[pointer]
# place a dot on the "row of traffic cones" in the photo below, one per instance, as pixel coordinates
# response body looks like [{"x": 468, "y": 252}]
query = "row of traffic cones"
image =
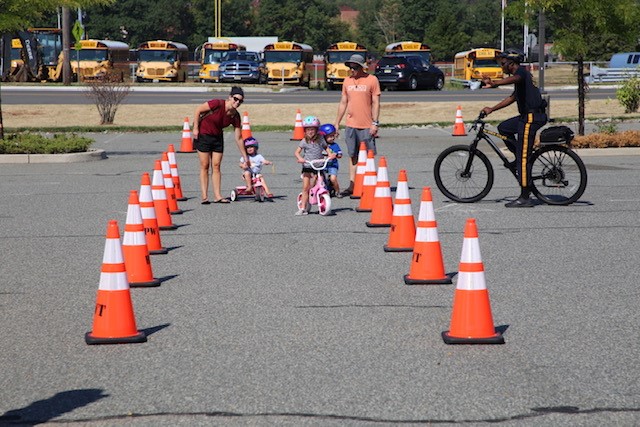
[
  {"x": 127, "y": 264},
  {"x": 471, "y": 321}
]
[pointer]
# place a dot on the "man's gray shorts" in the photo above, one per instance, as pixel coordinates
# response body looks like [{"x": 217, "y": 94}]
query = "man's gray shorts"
[{"x": 353, "y": 137}]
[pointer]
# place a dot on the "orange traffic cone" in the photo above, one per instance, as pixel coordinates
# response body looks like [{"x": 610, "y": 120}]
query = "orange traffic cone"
[
  {"x": 186, "y": 146},
  {"x": 471, "y": 320},
  {"x": 427, "y": 266},
  {"x": 113, "y": 319},
  {"x": 149, "y": 220},
  {"x": 382, "y": 208},
  {"x": 402, "y": 234},
  {"x": 458, "y": 126},
  {"x": 246, "y": 127},
  {"x": 134, "y": 247},
  {"x": 175, "y": 177},
  {"x": 168, "y": 185},
  {"x": 361, "y": 168},
  {"x": 368, "y": 184},
  {"x": 298, "y": 130},
  {"x": 165, "y": 222}
]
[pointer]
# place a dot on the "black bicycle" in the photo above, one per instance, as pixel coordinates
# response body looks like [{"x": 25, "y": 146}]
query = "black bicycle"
[{"x": 464, "y": 174}]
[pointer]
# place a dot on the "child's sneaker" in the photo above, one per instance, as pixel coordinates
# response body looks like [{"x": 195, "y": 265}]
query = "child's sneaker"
[{"x": 301, "y": 212}]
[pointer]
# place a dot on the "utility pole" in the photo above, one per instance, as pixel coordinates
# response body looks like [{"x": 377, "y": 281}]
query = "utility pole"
[
  {"x": 217, "y": 16},
  {"x": 541, "y": 42},
  {"x": 66, "y": 43}
]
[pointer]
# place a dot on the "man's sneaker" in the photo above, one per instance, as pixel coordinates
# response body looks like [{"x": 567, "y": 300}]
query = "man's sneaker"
[
  {"x": 520, "y": 202},
  {"x": 301, "y": 212}
]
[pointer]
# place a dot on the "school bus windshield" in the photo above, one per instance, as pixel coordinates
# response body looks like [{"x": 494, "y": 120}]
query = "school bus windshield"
[
  {"x": 282, "y": 56},
  {"x": 486, "y": 63},
  {"x": 212, "y": 56},
  {"x": 341, "y": 56},
  {"x": 91, "y": 55},
  {"x": 156, "y": 55}
]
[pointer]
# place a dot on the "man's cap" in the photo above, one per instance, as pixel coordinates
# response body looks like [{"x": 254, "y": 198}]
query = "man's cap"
[{"x": 356, "y": 59}]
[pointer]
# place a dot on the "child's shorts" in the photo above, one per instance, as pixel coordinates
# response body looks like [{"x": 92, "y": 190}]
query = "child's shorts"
[{"x": 332, "y": 171}]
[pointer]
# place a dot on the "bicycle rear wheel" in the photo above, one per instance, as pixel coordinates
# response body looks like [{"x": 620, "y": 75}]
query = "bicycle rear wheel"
[
  {"x": 558, "y": 175},
  {"x": 463, "y": 175}
]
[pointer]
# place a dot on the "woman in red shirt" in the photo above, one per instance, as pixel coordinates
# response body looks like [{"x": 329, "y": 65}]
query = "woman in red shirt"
[{"x": 210, "y": 120}]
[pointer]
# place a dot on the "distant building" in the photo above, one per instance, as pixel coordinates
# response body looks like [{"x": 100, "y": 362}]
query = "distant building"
[{"x": 349, "y": 15}]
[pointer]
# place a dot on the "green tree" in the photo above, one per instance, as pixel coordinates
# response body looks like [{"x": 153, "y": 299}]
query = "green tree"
[
  {"x": 18, "y": 15},
  {"x": 313, "y": 22},
  {"x": 136, "y": 21},
  {"x": 580, "y": 26}
]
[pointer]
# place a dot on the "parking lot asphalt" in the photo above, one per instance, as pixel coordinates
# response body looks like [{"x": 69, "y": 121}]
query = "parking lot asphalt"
[{"x": 265, "y": 318}]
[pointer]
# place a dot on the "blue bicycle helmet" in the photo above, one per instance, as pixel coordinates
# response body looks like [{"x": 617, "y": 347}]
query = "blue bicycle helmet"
[{"x": 327, "y": 129}]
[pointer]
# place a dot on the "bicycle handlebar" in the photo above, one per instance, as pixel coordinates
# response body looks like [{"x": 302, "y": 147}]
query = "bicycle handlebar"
[{"x": 322, "y": 162}]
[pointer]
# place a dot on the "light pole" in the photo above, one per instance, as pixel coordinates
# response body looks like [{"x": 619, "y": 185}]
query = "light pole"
[
  {"x": 217, "y": 15},
  {"x": 502, "y": 26}
]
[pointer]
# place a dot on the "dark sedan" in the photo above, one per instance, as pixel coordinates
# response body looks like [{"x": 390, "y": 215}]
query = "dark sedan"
[{"x": 408, "y": 72}]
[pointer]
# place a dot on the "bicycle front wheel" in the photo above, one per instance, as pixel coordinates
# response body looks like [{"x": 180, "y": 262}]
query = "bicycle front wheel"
[
  {"x": 558, "y": 175},
  {"x": 463, "y": 175}
]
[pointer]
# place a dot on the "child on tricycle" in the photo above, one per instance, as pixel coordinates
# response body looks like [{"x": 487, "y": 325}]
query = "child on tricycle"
[{"x": 255, "y": 182}]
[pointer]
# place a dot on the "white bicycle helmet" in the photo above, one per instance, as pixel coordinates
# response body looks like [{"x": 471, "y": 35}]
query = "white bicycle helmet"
[{"x": 311, "y": 122}]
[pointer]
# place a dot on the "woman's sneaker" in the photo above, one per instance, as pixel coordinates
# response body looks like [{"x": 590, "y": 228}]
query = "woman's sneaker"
[{"x": 301, "y": 212}]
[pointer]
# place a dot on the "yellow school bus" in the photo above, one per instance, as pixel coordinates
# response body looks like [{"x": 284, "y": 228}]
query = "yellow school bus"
[
  {"x": 161, "y": 60},
  {"x": 334, "y": 58},
  {"x": 97, "y": 58},
  {"x": 211, "y": 55},
  {"x": 409, "y": 48},
  {"x": 471, "y": 65},
  {"x": 289, "y": 63}
]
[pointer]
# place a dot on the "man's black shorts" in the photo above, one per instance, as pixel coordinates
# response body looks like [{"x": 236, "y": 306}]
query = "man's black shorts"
[{"x": 209, "y": 143}]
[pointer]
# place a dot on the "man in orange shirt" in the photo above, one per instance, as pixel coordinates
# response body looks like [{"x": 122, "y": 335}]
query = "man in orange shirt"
[{"x": 361, "y": 101}]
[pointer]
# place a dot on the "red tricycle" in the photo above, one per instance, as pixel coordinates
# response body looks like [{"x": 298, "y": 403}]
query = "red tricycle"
[{"x": 258, "y": 191}]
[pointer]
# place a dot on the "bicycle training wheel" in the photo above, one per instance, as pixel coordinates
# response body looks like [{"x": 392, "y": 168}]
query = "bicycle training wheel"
[
  {"x": 324, "y": 204},
  {"x": 558, "y": 175},
  {"x": 462, "y": 175}
]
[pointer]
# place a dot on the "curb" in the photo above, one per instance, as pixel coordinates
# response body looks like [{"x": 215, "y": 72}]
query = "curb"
[{"x": 88, "y": 156}]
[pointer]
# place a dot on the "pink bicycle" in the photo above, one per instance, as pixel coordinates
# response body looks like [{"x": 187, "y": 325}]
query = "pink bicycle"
[{"x": 318, "y": 194}]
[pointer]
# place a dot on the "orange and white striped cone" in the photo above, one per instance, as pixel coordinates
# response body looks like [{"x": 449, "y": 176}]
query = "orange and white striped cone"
[
  {"x": 368, "y": 184},
  {"x": 175, "y": 176},
  {"x": 427, "y": 265},
  {"x": 168, "y": 185},
  {"x": 159, "y": 194},
  {"x": 458, "y": 126},
  {"x": 471, "y": 319},
  {"x": 113, "y": 318},
  {"x": 149, "y": 220},
  {"x": 402, "y": 233},
  {"x": 134, "y": 247},
  {"x": 298, "y": 130},
  {"x": 382, "y": 209},
  {"x": 186, "y": 145},
  {"x": 361, "y": 168},
  {"x": 246, "y": 126}
]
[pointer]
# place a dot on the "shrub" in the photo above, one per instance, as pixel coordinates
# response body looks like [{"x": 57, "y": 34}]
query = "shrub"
[
  {"x": 629, "y": 94},
  {"x": 34, "y": 143}
]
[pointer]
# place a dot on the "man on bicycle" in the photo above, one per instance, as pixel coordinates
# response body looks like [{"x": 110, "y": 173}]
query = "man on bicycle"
[{"x": 532, "y": 117}]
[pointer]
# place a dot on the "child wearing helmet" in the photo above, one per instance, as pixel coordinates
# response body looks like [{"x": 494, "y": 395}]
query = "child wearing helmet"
[
  {"x": 256, "y": 161},
  {"x": 329, "y": 132},
  {"x": 310, "y": 148}
]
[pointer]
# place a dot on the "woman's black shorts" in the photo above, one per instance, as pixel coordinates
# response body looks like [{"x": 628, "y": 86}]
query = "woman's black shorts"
[{"x": 209, "y": 143}]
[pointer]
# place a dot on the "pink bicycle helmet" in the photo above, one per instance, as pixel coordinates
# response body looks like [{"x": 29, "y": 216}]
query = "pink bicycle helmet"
[
  {"x": 311, "y": 122},
  {"x": 250, "y": 142}
]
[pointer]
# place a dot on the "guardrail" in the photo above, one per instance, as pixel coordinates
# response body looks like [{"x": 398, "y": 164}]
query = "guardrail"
[{"x": 606, "y": 75}]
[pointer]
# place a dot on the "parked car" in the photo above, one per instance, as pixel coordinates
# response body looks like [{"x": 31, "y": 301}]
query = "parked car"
[
  {"x": 242, "y": 66},
  {"x": 409, "y": 72}
]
